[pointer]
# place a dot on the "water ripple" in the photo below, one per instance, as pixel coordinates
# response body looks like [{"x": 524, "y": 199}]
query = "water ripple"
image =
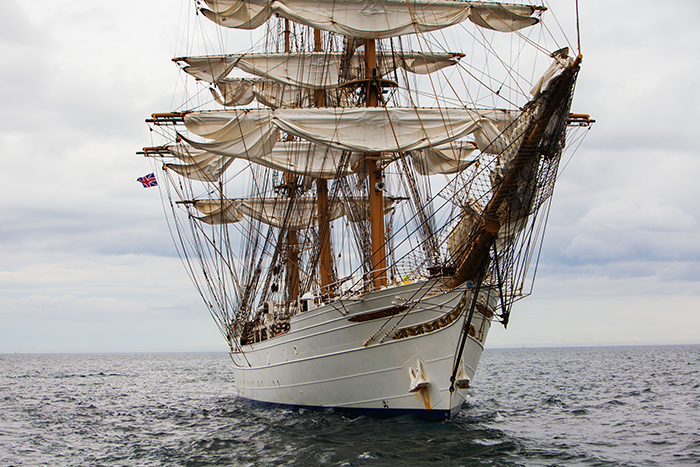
[{"x": 539, "y": 407}]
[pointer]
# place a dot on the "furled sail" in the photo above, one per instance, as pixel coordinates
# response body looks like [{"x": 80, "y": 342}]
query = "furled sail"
[
  {"x": 316, "y": 161},
  {"x": 241, "y": 133},
  {"x": 560, "y": 63},
  {"x": 287, "y": 213},
  {"x": 305, "y": 158},
  {"x": 369, "y": 19},
  {"x": 386, "y": 129},
  {"x": 207, "y": 170},
  {"x": 234, "y": 91},
  {"x": 252, "y": 133},
  {"x": 445, "y": 159},
  {"x": 185, "y": 153},
  {"x": 315, "y": 70}
]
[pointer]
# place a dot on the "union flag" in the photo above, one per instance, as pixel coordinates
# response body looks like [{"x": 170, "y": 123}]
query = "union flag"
[{"x": 148, "y": 180}]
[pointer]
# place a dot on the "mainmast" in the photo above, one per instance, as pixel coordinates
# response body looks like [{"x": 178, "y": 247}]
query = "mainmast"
[
  {"x": 374, "y": 175},
  {"x": 324, "y": 225}
]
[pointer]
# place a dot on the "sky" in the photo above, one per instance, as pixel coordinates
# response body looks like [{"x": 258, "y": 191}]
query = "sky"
[{"x": 87, "y": 263}]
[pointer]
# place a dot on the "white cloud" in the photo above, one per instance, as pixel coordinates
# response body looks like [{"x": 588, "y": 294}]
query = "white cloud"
[
  {"x": 87, "y": 262},
  {"x": 66, "y": 323},
  {"x": 579, "y": 310}
]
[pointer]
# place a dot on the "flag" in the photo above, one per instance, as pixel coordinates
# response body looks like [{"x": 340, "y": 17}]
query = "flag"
[{"x": 148, "y": 180}]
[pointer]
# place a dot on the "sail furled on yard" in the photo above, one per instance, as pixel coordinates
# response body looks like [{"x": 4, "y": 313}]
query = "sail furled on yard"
[
  {"x": 233, "y": 133},
  {"x": 429, "y": 135},
  {"x": 386, "y": 129},
  {"x": 284, "y": 213},
  {"x": 233, "y": 92},
  {"x": 317, "y": 161},
  {"x": 371, "y": 19},
  {"x": 314, "y": 70}
]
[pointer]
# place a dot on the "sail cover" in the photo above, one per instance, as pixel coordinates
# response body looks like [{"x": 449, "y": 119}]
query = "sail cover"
[
  {"x": 314, "y": 70},
  {"x": 371, "y": 19}
]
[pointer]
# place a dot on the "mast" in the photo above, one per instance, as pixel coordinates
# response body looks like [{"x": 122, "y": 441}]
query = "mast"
[
  {"x": 292, "y": 241},
  {"x": 292, "y": 247},
  {"x": 324, "y": 225},
  {"x": 374, "y": 174}
]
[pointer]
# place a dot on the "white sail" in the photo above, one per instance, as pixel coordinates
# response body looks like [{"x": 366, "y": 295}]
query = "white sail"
[
  {"x": 234, "y": 91},
  {"x": 208, "y": 170},
  {"x": 315, "y": 70},
  {"x": 291, "y": 214},
  {"x": 502, "y": 18},
  {"x": 245, "y": 133},
  {"x": 275, "y": 95},
  {"x": 370, "y": 19},
  {"x": 304, "y": 158},
  {"x": 219, "y": 124},
  {"x": 218, "y": 211},
  {"x": 561, "y": 61},
  {"x": 252, "y": 133},
  {"x": 386, "y": 129},
  {"x": 316, "y": 161},
  {"x": 187, "y": 153},
  {"x": 445, "y": 159},
  {"x": 238, "y": 14}
]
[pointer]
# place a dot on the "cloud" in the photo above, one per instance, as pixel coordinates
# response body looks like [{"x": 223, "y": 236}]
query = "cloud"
[
  {"x": 87, "y": 262},
  {"x": 579, "y": 310},
  {"x": 66, "y": 323}
]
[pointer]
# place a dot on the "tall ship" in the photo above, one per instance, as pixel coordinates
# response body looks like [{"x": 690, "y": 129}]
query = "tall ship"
[{"x": 362, "y": 192}]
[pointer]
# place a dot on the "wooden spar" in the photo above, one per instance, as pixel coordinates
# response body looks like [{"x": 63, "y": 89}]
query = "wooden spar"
[
  {"x": 374, "y": 174},
  {"x": 324, "y": 225},
  {"x": 287, "y": 33},
  {"x": 317, "y": 40},
  {"x": 292, "y": 249},
  {"x": 473, "y": 259},
  {"x": 324, "y": 233},
  {"x": 292, "y": 241}
]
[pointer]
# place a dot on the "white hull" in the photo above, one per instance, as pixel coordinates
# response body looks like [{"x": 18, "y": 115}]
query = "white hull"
[{"x": 330, "y": 358}]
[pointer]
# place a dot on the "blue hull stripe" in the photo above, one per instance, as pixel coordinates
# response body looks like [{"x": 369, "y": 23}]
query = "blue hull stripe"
[{"x": 422, "y": 414}]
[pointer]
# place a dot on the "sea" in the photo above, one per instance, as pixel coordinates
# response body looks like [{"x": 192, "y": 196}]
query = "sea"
[{"x": 598, "y": 406}]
